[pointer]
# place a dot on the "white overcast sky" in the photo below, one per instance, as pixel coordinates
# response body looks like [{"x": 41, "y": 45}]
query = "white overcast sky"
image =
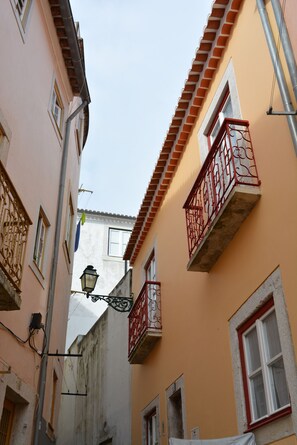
[{"x": 138, "y": 54}]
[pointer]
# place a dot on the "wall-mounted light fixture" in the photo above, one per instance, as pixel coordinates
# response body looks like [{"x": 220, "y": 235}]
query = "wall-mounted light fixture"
[{"x": 88, "y": 282}]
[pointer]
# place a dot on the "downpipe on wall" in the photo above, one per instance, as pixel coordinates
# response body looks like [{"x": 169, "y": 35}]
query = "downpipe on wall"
[
  {"x": 53, "y": 276},
  {"x": 279, "y": 73},
  {"x": 286, "y": 43}
]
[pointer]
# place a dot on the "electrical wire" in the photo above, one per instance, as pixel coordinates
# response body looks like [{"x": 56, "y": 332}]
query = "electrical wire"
[{"x": 29, "y": 340}]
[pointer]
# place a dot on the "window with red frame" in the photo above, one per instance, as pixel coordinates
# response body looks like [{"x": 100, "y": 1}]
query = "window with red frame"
[
  {"x": 264, "y": 379},
  {"x": 150, "y": 268},
  {"x": 224, "y": 110}
]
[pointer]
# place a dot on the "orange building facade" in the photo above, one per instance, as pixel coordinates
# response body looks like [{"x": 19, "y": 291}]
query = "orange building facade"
[{"x": 213, "y": 329}]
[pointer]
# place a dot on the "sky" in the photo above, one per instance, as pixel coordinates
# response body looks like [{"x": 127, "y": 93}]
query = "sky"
[{"x": 138, "y": 54}]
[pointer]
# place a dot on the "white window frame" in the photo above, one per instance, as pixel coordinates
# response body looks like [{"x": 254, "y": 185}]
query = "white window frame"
[
  {"x": 228, "y": 82},
  {"x": 5, "y": 137},
  {"x": 263, "y": 370},
  {"x": 121, "y": 244},
  {"x": 21, "y": 9},
  {"x": 57, "y": 108},
  {"x": 40, "y": 240},
  {"x": 284, "y": 426}
]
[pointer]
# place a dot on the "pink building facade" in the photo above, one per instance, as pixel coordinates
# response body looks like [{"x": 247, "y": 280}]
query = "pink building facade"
[{"x": 43, "y": 127}]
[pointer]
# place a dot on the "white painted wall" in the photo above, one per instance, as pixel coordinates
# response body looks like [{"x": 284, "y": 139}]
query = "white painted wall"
[
  {"x": 104, "y": 373},
  {"x": 93, "y": 249}
]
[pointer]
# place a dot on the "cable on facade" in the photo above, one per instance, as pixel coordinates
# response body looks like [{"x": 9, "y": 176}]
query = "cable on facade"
[{"x": 28, "y": 340}]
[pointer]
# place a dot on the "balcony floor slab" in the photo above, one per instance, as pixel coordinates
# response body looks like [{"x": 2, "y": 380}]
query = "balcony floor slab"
[{"x": 235, "y": 210}]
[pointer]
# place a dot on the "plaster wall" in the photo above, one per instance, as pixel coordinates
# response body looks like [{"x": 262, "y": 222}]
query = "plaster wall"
[
  {"x": 196, "y": 306},
  {"x": 103, "y": 373},
  {"x": 93, "y": 249},
  {"x": 31, "y": 63}
]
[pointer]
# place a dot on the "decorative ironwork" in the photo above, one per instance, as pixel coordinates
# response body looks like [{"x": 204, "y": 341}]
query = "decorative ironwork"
[
  {"x": 14, "y": 227},
  {"x": 120, "y": 304},
  {"x": 230, "y": 162},
  {"x": 145, "y": 314}
]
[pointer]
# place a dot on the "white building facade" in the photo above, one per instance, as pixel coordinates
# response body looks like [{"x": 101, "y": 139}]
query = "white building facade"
[{"x": 102, "y": 242}]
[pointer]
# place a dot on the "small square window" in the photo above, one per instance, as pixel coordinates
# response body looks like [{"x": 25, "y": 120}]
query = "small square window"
[{"x": 117, "y": 242}]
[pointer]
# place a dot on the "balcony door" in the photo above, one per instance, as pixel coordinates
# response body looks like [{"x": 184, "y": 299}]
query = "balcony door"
[
  {"x": 150, "y": 272},
  {"x": 224, "y": 110},
  {"x": 220, "y": 176}
]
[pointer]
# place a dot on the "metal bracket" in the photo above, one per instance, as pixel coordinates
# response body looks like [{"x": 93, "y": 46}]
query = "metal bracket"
[
  {"x": 74, "y": 394},
  {"x": 50, "y": 354},
  {"x": 270, "y": 112}
]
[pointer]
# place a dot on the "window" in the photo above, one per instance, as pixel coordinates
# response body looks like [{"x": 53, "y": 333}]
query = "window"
[
  {"x": 21, "y": 9},
  {"x": 80, "y": 131},
  {"x": 5, "y": 136},
  {"x": 265, "y": 385},
  {"x": 57, "y": 107},
  {"x": 53, "y": 402},
  {"x": 151, "y": 428},
  {"x": 150, "y": 268},
  {"x": 118, "y": 240},
  {"x": 224, "y": 110},
  {"x": 175, "y": 409},
  {"x": 40, "y": 240},
  {"x": 6, "y": 422},
  {"x": 69, "y": 228},
  {"x": 150, "y": 423}
]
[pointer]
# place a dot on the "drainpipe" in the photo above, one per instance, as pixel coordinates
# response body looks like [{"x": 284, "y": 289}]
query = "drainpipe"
[
  {"x": 286, "y": 42},
  {"x": 53, "y": 276},
  {"x": 284, "y": 91}
]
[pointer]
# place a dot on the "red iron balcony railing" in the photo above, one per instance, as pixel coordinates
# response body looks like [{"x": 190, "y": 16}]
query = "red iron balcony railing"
[
  {"x": 145, "y": 324},
  {"x": 229, "y": 163},
  {"x": 14, "y": 226}
]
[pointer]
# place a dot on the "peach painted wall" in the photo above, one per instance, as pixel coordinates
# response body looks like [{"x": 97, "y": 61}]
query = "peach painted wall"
[
  {"x": 196, "y": 307},
  {"x": 29, "y": 67}
]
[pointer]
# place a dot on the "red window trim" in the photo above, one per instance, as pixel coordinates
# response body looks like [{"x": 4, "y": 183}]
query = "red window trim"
[
  {"x": 215, "y": 117},
  {"x": 147, "y": 264},
  {"x": 240, "y": 330}
]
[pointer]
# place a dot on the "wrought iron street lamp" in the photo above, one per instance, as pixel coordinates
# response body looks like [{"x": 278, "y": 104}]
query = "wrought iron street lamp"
[{"x": 88, "y": 282}]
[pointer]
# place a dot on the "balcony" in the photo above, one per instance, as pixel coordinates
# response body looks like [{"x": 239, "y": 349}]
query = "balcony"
[
  {"x": 225, "y": 192},
  {"x": 14, "y": 226},
  {"x": 145, "y": 325}
]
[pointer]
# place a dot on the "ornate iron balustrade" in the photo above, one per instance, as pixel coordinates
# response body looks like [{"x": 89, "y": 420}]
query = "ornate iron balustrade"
[
  {"x": 230, "y": 162},
  {"x": 145, "y": 314},
  {"x": 14, "y": 226}
]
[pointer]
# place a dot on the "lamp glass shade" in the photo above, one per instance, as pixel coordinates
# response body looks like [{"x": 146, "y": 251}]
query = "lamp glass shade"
[{"x": 89, "y": 279}]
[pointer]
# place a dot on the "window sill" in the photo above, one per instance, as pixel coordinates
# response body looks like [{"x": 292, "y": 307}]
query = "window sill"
[
  {"x": 38, "y": 274},
  {"x": 264, "y": 421}
]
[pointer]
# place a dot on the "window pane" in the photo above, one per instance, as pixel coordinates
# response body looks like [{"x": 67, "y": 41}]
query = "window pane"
[
  {"x": 114, "y": 236},
  {"x": 279, "y": 388},
  {"x": 271, "y": 335},
  {"x": 258, "y": 396},
  {"x": 227, "y": 109},
  {"x": 253, "y": 354}
]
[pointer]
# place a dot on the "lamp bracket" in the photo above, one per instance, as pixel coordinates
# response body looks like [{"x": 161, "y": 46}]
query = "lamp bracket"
[{"x": 120, "y": 304}]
